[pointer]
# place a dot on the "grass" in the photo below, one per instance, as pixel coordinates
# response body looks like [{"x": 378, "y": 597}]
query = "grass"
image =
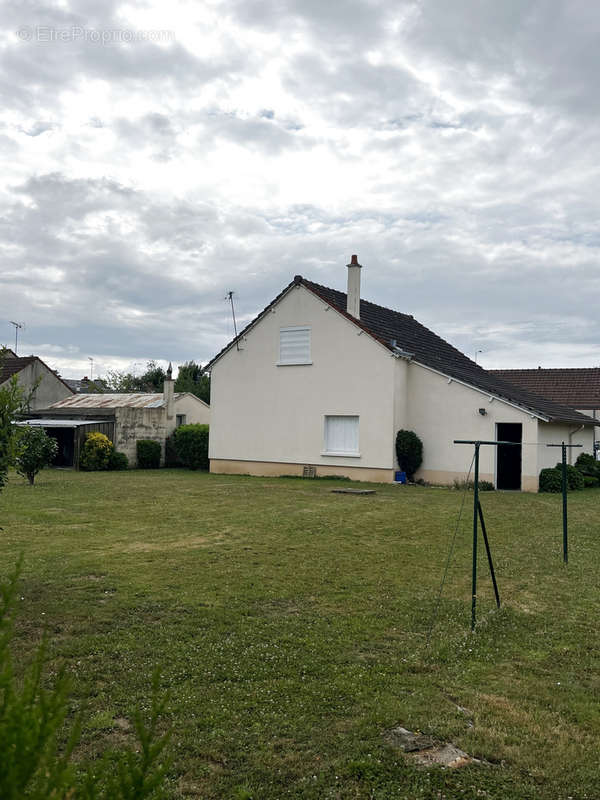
[{"x": 290, "y": 625}]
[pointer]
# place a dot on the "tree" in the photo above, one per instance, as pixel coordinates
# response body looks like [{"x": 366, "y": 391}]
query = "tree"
[
  {"x": 12, "y": 400},
  {"x": 409, "y": 451},
  {"x": 35, "y": 450},
  {"x": 152, "y": 380},
  {"x": 192, "y": 378}
]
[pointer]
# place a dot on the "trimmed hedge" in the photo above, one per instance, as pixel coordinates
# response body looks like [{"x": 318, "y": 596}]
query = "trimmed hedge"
[
  {"x": 148, "y": 454},
  {"x": 574, "y": 477},
  {"x": 409, "y": 452},
  {"x": 550, "y": 480},
  {"x": 118, "y": 461},
  {"x": 191, "y": 445}
]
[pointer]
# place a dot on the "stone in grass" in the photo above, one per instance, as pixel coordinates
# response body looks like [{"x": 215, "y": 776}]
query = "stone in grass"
[{"x": 426, "y": 751}]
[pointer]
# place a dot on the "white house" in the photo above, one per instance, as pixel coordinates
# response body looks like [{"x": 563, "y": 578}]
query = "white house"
[
  {"x": 124, "y": 418},
  {"x": 321, "y": 381}
]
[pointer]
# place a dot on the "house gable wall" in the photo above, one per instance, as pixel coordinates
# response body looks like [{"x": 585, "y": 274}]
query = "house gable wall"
[
  {"x": 261, "y": 412},
  {"x": 50, "y": 389}
]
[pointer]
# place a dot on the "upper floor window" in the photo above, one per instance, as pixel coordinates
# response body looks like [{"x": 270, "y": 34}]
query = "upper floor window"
[
  {"x": 180, "y": 419},
  {"x": 294, "y": 345}
]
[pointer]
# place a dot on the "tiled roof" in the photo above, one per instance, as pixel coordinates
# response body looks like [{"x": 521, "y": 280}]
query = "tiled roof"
[
  {"x": 578, "y": 388},
  {"x": 10, "y": 365},
  {"x": 401, "y": 332}
]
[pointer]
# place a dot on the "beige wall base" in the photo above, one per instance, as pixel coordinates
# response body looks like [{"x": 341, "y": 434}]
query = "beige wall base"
[
  {"x": 221, "y": 466},
  {"x": 529, "y": 483},
  {"x": 273, "y": 468}
]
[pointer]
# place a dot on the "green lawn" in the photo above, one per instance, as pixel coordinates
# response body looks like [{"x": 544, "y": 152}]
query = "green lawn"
[{"x": 290, "y": 626}]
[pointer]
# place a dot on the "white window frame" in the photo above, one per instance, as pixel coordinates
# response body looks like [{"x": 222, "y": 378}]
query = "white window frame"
[
  {"x": 299, "y": 362},
  {"x": 341, "y": 453}
]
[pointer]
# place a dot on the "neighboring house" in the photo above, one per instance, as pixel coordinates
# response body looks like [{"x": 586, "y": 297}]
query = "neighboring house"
[
  {"x": 321, "y": 381},
  {"x": 575, "y": 387},
  {"x": 35, "y": 378},
  {"x": 124, "y": 418}
]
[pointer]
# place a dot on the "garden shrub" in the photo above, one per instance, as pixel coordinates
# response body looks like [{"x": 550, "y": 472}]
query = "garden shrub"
[
  {"x": 574, "y": 477},
  {"x": 96, "y": 452},
  {"x": 550, "y": 480},
  {"x": 171, "y": 457},
  {"x": 486, "y": 486},
  {"x": 148, "y": 454},
  {"x": 409, "y": 451},
  {"x": 191, "y": 445},
  {"x": 118, "y": 461},
  {"x": 35, "y": 450},
  {"x": 589, "y": 468}
]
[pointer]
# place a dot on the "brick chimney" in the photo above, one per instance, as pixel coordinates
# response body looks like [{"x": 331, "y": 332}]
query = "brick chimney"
[
  {"x": 353, "y": 297},
  {"x": 169, "y": 393}
]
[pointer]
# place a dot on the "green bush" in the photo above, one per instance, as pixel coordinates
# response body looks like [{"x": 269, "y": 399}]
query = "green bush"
[
  {"x": 486, "y": 486},
  {"x": 409, "y": 451},
  {"x": 35, "y": 450},
  {"x": 550, "y": 480},
  {"x": 589, "y": 468},
  {"x": 118, "y": 461},
  {"x": 587, "y": 464},
  {"x": 171, "y": 457},
  {"x": 148, "y": 454},
  {"x": 574, "y": 478},
  {"x": 96, "y": 452},
  {"x": 191, "y": 445}
]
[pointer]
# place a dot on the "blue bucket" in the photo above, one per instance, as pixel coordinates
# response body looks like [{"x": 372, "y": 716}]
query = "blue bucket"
[{"x": 400, "y": 477}]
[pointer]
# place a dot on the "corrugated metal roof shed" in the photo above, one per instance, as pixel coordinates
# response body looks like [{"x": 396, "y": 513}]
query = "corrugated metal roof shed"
[
  {"x": 61, "y": 423},
  {"x": 81, "y": 401}
]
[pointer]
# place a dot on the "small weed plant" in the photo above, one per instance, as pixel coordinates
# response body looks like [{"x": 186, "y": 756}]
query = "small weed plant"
[{"x": 38, "y": 738}]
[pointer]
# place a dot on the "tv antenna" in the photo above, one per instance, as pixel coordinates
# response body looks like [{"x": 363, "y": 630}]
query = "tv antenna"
[
  {"x": 230, "y": 298},
  {"x": 18, "y": 326}
]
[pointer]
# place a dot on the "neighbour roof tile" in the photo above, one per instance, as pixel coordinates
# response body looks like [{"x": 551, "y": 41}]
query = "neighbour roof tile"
[{"x": 578, "y": 388}]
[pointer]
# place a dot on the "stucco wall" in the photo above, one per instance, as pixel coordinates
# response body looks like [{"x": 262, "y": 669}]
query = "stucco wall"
[
  {"x": 552, "y": 433},
  {"x": 195, "y": 410},
  {"x": 261, "y": 412},
  {"x": 133, "y": 424},
  {"x": 440, "y": 412},
  {"x": 50, "y": 389}
]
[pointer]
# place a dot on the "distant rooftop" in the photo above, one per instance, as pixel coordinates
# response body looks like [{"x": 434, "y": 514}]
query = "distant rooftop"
[
  {"x": 573, "y": 386},
  {"x": 80, "y": 401}
]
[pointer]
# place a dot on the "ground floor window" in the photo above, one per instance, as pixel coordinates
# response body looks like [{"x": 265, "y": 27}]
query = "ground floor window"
[{"x": 341, "y": 435}]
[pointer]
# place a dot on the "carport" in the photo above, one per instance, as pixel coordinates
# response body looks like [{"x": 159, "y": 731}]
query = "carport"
[{"x": 70, "y": 435}]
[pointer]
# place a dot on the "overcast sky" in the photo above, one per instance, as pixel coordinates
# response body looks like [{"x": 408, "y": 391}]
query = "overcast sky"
[{"x": 158, "y": 155}]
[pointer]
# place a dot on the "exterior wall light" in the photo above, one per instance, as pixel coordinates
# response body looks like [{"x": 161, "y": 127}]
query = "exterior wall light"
[{"x": 482, "y": 411}]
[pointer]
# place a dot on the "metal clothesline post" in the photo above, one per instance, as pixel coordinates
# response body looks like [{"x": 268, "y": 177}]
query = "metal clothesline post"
[
  {"x": 478, "y": 515},
  {"x": 564, "y": 447}
]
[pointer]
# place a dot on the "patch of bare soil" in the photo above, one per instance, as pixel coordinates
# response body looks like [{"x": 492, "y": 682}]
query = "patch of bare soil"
[{"x": 427, "y": 751}]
